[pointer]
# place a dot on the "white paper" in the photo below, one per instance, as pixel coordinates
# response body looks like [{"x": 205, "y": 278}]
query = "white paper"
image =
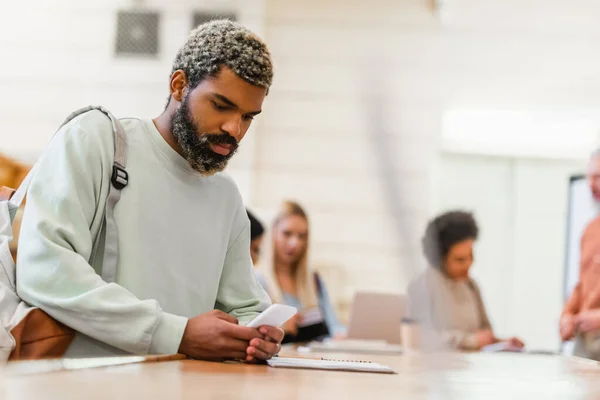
[
  {"x": 335, "y": 365},
  {"x": 501, "y": 347},
  {"x": 357, "y": 346}
]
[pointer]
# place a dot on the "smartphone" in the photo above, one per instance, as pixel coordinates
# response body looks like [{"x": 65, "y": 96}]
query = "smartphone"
[{"x": 276, "y": 315}]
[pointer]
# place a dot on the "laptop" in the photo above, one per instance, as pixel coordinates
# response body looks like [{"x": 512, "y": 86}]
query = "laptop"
[{"x": 377, "y": 316}]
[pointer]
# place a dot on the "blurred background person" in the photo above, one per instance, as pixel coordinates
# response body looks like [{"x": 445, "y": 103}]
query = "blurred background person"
[
  {"x": 444, "y": 297},
  {"x": 289, "y": 280},
  {"x": 257, "y": 231},
  {"x": 580, "y": 318}
]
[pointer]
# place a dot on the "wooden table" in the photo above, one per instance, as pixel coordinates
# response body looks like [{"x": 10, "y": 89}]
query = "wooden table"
[{"x": 420, "y": 376}]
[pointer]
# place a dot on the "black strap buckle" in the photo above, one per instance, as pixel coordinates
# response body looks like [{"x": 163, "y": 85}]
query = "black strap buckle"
[{"x": 119, "y": 177}]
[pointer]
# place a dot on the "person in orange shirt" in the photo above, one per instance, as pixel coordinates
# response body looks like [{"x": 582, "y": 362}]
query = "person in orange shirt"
[{"x": 580, "y": 318}]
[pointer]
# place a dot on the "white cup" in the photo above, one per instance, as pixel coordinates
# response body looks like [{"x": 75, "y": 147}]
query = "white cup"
[{"x": 410, "y": 334}]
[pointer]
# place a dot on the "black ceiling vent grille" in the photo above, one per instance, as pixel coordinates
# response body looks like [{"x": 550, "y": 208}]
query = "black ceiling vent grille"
[{"x": 138, "y": 33}]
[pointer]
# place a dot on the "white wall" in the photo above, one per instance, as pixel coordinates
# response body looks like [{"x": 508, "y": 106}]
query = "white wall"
[
  {"x": 556, "y": 134},
  {"x": 539, "y": 241}
]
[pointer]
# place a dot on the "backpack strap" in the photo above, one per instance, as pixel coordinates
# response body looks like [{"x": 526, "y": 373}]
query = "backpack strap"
[{"x": 119, "y": 179}]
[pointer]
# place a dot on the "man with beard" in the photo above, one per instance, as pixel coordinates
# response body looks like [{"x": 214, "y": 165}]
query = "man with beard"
[
  {"x": 580, "y": 318},
  {"x": 184, "y": 280}
]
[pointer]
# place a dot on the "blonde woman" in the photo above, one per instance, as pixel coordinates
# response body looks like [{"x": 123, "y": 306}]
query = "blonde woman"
[{"x": 288, "y": 279}]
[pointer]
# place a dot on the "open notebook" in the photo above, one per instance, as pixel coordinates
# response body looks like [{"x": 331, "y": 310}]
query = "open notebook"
[{"x": 327, "y": 364}]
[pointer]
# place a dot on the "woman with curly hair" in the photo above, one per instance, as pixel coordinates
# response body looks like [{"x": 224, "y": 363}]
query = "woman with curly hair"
[{"x": 444, "y": 297}]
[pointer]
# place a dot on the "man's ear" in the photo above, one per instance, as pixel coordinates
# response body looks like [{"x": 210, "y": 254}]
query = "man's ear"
[{"x": 178, "y": 85}]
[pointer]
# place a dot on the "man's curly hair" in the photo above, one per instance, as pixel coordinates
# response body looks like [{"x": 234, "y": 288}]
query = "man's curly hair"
[
  {"x": 444, "y": 231},
  {"x": 219, "y": 43}
]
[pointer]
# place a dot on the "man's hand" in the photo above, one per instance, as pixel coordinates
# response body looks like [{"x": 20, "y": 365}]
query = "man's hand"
[
  {"x": 485, "y": 337},
  {"x": 264, "y": 349},
  {"x": 217, "y": 336},
  {"x": 587, "y": 321},
  {"x": 567, "y": 327}
]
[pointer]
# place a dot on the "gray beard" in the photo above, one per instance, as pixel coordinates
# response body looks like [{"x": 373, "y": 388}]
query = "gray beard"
[{"x": 196, "y": 146}]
